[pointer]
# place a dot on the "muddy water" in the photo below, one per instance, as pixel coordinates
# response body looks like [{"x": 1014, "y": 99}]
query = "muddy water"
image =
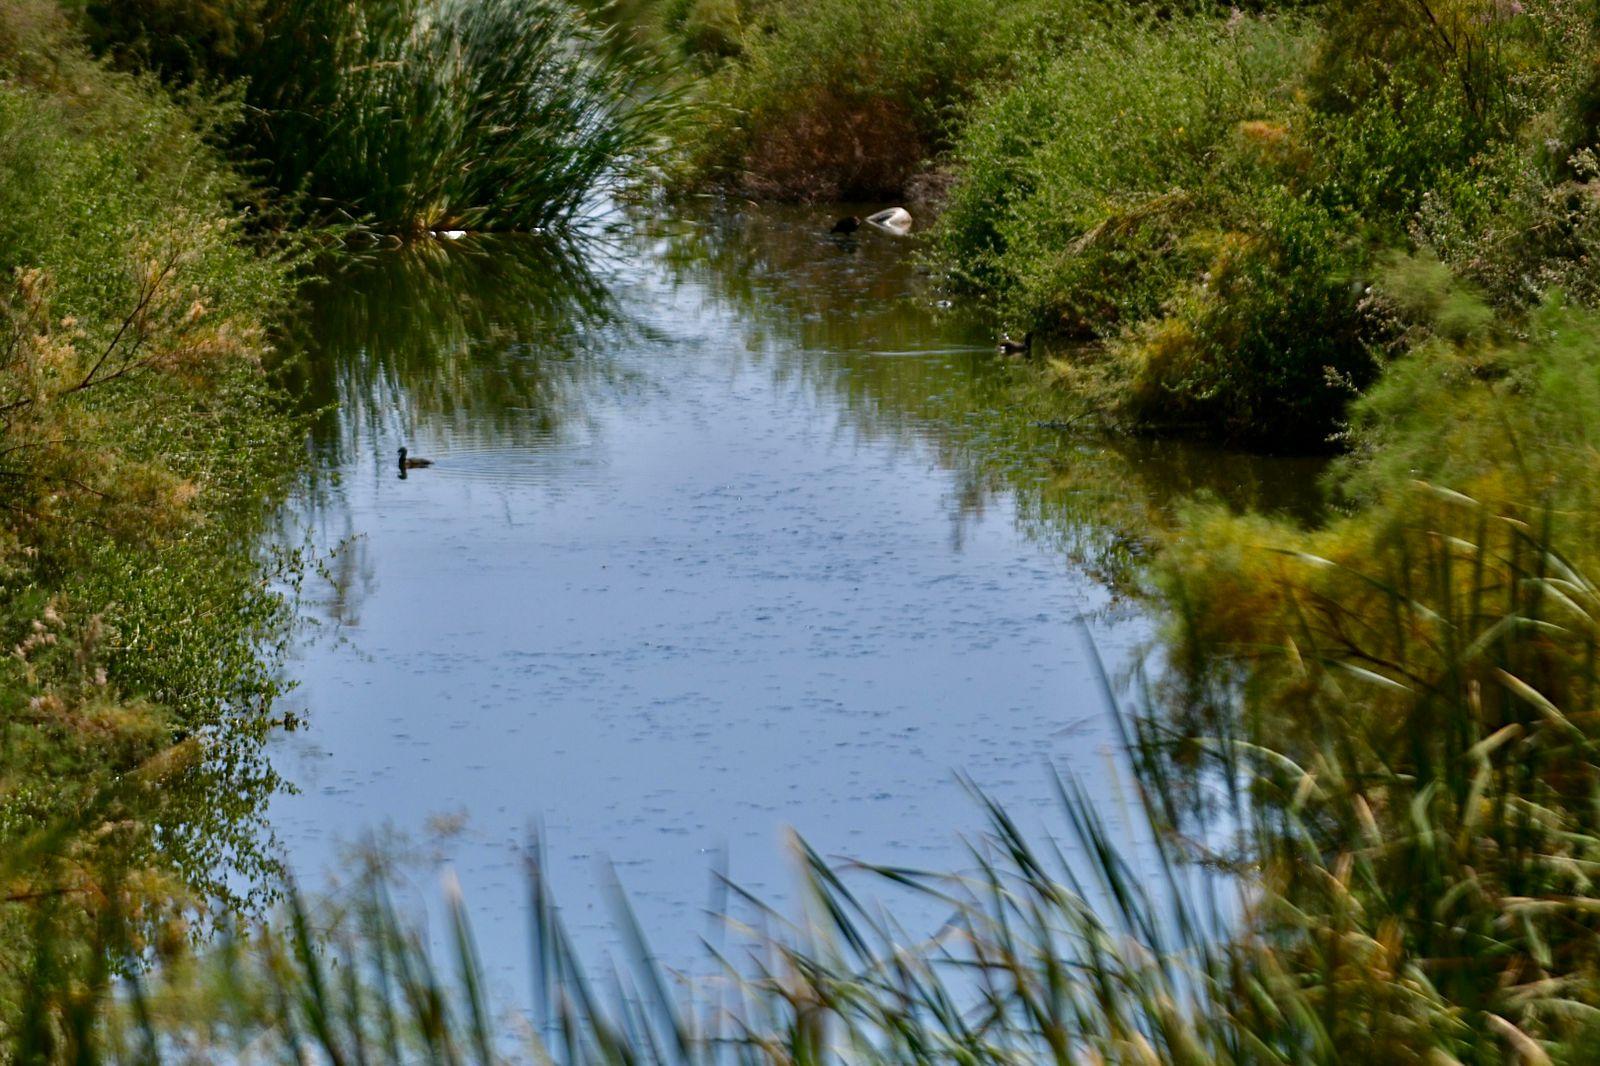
[{"x": 731, "y": 527}]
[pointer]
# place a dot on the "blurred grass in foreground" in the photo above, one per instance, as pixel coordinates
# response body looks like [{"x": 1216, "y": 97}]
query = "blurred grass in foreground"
[{"x": 1398, "y": 872}]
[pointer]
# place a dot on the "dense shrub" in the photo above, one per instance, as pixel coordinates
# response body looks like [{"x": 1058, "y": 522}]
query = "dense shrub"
[
  {"x": 140, "y": 444},
  {"x": 1208, "y": 195},
  {"x": 186, "y": 40},
  {"x": 1269, "y": 345},
  {"x": 1468, "y": 124},
  {"x": 1158, "y": 188},
  {"x": 847, "y": 99},
  {"x": 1079, "y": 185},
  {"x": 704, "y": 31}
]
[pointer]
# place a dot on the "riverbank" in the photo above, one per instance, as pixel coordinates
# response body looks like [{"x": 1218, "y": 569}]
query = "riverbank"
[
  {"x": 1197, "y": 209},
  {"x": 1374, "y": 738},
  {"x": 143, "y": 447},
  {"x": 1330, "y": 227}
]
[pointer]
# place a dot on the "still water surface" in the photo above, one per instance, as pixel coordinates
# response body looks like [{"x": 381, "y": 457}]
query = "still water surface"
[{"x": 732, "y": 527}]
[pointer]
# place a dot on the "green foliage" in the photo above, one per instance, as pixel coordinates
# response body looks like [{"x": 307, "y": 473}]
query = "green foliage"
[
  {"x": 1379, "y": 158},
  {"x": 1476, "y": 51},
  {"x": 1412, "y": 693},
  {"x": 1078, "y": 184},
  {"x": 707, "y": 30},
  {"x": 1139, "y": 191},
  {"x": 1467, "y": 127},
  {"x": 1521, "y": 410},
  {"x": 496, "y": 115},
  {"x": 1518, "y": 228},
  {"x": 846, "y": 99},
  {"x": 186, "y": 40},
  {"x": 141, "y": 445},
  {"x": 1211, "y": 196},
  {"x": 427, "y": 114},
  {"x": 1269, "y": 345},
  {"x": 1423, "y": 671},
  {"x": 1424, "y": 293}
]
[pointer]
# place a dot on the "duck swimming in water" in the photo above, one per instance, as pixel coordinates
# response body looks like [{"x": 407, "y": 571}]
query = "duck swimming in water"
[
  {"x": 848, "y": 224},
  {"x": 412, "y": 464}
]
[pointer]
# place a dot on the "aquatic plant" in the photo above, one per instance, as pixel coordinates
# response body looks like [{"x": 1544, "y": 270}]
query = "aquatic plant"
[{"x": 421, "y": 115}]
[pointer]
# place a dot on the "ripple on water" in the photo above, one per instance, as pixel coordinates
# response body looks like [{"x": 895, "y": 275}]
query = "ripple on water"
[
  {"x": 543, "y": 465},
  {"x": 752, "y": 615},
  {"x": 902, "y": 353}
]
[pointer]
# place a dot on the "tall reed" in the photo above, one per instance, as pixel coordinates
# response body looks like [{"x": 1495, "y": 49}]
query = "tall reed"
[
  {"x": 1396, "y": 865},
  {"x": 444, "y": 114}
]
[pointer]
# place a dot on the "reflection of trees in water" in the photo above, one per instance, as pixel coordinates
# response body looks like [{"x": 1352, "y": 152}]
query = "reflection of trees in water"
[
  {"x": 345, "y": 573},
  {"x": 1104, "y": 496},
  {"x": 854, "y": 320},
  {"x": 477, "y": 343},
  {"x": 480, "y": 341},
  {"x": 495, "y": 342},
  {"x": 839, "y": 316}
]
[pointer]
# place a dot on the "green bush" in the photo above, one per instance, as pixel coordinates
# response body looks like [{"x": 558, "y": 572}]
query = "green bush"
[
  {"x": 1379, "y": 158},
  {"x": 1423, "y": 669},
  {"x": 1519, "y": 224},
  {"x": 705, "y": 30},
  {"x": 1079, "y": 185},
  {"x": 1468, "y": 127},
  {"x": 847, "y": 99},
  {"x": 1207, "y": 195},
  {"x": 187, "y": 40},
  {"x": 141, "y": 448},
  {"x": 1271, "y": 343}
]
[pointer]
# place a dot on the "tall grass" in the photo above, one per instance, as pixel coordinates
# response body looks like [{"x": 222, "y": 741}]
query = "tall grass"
[
  {"x": 412, "y": 115},
  {"x": 1382, "y": 848}
]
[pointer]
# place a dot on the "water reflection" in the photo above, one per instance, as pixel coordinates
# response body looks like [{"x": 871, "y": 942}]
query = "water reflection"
[
  {"x": 481, "y": 347},
  {"x": 487, "y": 342},
  {"x": 732, "y": 526},
  {"x": 836, "y": 313}
]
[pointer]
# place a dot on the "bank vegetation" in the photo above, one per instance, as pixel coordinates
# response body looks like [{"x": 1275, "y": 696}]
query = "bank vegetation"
[{"x": 1368, "y": 767}]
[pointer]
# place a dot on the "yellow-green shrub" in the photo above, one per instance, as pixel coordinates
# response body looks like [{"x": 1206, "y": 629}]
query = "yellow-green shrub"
[
  {"x": 141, "y": 446},
  {"x": 1080, "y": 183}
]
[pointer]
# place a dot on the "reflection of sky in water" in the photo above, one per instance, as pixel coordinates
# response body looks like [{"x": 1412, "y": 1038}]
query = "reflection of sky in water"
[{"x": 690, "y": 582}]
